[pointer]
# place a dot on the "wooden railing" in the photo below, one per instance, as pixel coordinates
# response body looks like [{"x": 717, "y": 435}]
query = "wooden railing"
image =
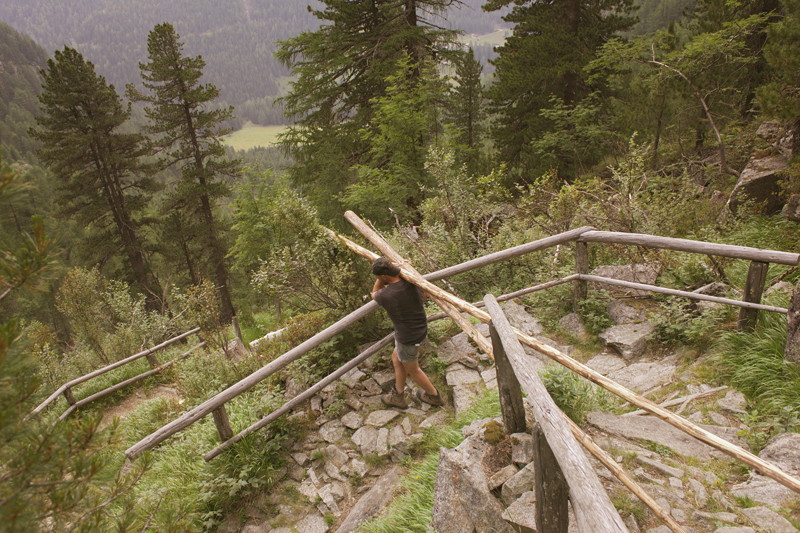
[
  {"x": 155, "y": 366},
  {"x": 581, "y": 236}
]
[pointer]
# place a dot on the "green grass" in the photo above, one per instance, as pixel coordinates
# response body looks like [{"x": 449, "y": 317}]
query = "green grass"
[
  {"x": 252, "y": 136},
  {"x": 411, "y": 511}
]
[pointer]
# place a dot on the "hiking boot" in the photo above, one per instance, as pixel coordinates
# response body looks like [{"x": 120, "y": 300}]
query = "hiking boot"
[
  {"x": 427, "y": 398},
  {"x": 395, "y": 399}
]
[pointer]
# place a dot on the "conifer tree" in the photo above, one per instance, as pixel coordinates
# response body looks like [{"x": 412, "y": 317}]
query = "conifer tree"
[
  {"x": 465, "y": 111},
  {"x": 540, "y": 65},
  {"x": 189, "y": 135},
  {"x": 342, "y": 71},
  {"x": 101, "y": 179}
]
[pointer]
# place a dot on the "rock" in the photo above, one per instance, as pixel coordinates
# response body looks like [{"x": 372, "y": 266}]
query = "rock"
[
  {"x": 712, "y": 518},
  {"x": 293, "y": 388},
  {"x": 300, "y": 458},
  {"x": 381, "y": 417},
  {"x": 737, "y": 529},
  {"x": 660, "y": 432},
  {"x": 352, "y": 377},
  {"x": 501, "y": 477},
  {"x": 385, "y": 378},
  {"x": 462, "y": 501},
  {"x": 460, "y": 376},
  {"x": 783, "y": 288},
  {"x": 522, "y": 448},
  {"x": 359, "y": 467},
  {"x": 336, "y": 456},
  {"x": 792, "y": 350},
  {"x": 759, "y": 183},
  {"x": 522, "y": 513},
  {"x": 263, "y": 527},
  {"x": 438, "y": 419},
  {"x": 382, "y": 442},
  {"x": 571, "y": 325},
  {"x": 622, "y": 313},
  {"x": 660, "y": 467},
  {"x": 791, "y": 211},
  {"x": 700, "y": 493},
  {"x": 734, "y": 402},
  {"x": 312, "y": 523},
  {"x": 769, "y": 520},
  {"x": 521, "y": 319},
  {"x": 520, "y": 483},
  {"x": 366, "y": 438},
  {"x": 606, "y": 363},
  {"x": 645, "y": 274},
  {"x": 784, "y": 452},
  {"x": 329, "y": 500},
  {"x": 462, "y": 399},
  {"x": 642, "y": 377},
  {"x": 236, "y": 350},
  {"x": 332, "y": 431},
  {"x": 373, "y": 502},
  {"x": 630, "y": 340},
  {"x": 396, "y": 436},
  {"x": 630, "y": 522},
  {"x": 308, "y": 489},
  {"x": 718, "y": 419},
  {"x": 372, "y": 386},
  {"x": 352, "y": 420}
]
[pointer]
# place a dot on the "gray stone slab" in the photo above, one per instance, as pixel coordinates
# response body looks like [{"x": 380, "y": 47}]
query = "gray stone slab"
[
  {"x": 734, "y": 402},
  {"x": 784, "y": 452},
  {"x": 336, "y": 455},
  {"x": 630, "y": 340},
  {"x": 462, "y": 399},
  {"x": 373, "y": 502},
  {"x": 713, "y": 518},
  {"x": 521, "y": 319},
  {"x": 767, "y": 519},
  {"x": 501, "y": 476},
  {"x": 606, "y": 363},
  {"x": 332, "y": 431},
  {"x": 520, "y": 483},
  {"x": 353, "y": 377},
  {"x": 522, "y": 512},
  {"x": 571, "y": 324},
  {"x": 642, "y": 377},
  {"x": 646, "y": 273},
  {"x": 660, "y": 467},
  {"x": 522, "y": 448},
  {"x": 352, "y": 420},
  {"x": 396, "y": 436},
  {"x": 437, "y": 419},
  {"x": 381, "y": 417},
  {"x": 462, "y": 376},
  {"x": 622, "y": 313},
  {"x": 384, "y": 378},
  {"x": 657, "y": 431}
]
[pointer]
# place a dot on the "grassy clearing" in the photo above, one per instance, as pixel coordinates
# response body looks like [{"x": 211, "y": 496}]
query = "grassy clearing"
[{"x": 252, "y": 136}]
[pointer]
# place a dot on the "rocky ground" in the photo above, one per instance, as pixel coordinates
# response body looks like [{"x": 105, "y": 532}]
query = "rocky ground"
[{"x": 346, "y": 469}]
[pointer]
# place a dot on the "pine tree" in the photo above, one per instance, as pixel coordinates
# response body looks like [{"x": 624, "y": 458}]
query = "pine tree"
[
  {"x": 466, "y": 109},
  {"x": 341, "y": 71},
  {"x": 189, "y": 135},
  {"x": 541, "y": 64},
  {"x": 101, "y": 180}
]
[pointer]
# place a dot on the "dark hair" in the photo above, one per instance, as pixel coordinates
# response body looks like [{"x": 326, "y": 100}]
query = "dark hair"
[{"x": 383, "y": 267}]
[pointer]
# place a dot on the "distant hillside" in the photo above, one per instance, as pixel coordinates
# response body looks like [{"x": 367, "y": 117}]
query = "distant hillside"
[{"x": 20, "y": 60}]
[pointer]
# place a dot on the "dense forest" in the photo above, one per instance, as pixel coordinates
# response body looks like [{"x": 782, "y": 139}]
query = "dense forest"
[{"x": 125, "y": 220}]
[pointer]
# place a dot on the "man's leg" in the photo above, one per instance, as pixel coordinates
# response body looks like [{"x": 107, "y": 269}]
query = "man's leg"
[
  {"x": 413, "y": 370},
  {"x": 400, "y": 372}
]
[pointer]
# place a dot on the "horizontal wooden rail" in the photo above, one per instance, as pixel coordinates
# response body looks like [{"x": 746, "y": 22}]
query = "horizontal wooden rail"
[
  {"x": 77, "y": 381},
  {"x": 684, "y": 294},
  {"x": 123, "y": 384},
  {"x": 685, "y": 245},
  {"x": 594, "y": 511}
]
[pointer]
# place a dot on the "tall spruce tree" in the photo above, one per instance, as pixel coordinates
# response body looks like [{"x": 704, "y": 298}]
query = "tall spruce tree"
[
  {"x": 188, "y": 135},
  {"x": 342, "y": 72},
  {"x": 465, "y": 111},
  {"x": 101, "y": 179},
  {"x": 541, "y": 64}
]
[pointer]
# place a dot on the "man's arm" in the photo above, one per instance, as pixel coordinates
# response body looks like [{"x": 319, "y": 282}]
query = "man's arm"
[{"x": 378, "y": 286}]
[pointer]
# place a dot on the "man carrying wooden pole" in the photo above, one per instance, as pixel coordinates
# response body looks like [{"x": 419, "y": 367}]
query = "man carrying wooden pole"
[{"x": 403, "y": 303}]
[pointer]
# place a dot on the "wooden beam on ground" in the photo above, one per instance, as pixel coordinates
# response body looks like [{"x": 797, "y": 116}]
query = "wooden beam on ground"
[
  {"x": 594, "y": 511},
  {"x": 384, "y": 247},
  {"x": 623, "y": 476},
  {"x": 682, "y": 399},
  {"x": 685, "y": 245}
]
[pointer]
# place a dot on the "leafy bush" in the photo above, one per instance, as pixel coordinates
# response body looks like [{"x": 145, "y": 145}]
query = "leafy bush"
[
  {"x": 573, "y": 394},
  {"x": 678, "y": 322},
  {"x": 593, "y": 311}
]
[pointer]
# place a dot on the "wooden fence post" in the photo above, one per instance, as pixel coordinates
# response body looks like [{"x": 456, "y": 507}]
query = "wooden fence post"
[
  {"x": 153, "y": 360},
  {"x": 511, "y": 404},
  {"x": 222, "y": 423},
  {"x": 552, "y": 491},
  {"x": 581, "y": 288},
  {"x": 68, "y": 395},
  {"x": 753, "y": 287}
]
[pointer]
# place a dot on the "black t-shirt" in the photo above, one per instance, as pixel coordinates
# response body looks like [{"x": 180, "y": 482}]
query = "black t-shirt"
[{"x": 403, "y": 303}]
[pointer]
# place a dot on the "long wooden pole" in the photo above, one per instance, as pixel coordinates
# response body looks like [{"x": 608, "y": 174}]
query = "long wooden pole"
[
  {"x": 622, "y": 475},
  {"x": 87, "y": 377},
  {"x": 593, "y": 508},
  {"x": 699, "y": 433},
  {"x": 685, "y": 245},
  {"x": 482, "y": 342}
]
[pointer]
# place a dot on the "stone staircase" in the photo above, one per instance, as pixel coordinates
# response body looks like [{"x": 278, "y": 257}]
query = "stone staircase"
[{"x": 346, "y": 468}]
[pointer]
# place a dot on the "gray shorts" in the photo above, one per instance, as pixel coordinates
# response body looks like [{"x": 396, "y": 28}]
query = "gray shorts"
[{"x": 407, "y": 353}]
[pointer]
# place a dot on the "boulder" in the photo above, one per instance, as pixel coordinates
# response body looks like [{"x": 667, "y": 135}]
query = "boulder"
[
  {"x": 630, "y": 340},
  {"x": 791, "y": 211},
  {"x": 646, "y": 273},
  {"x": 768, "y": 520},
  {"x": 462, "y": 502},
  {"x": 759, "y": 182},
  {"x": 784, "y": 452},
  {"x": 642, "y": 377},
  {"x": 519, "y": 318},
  {"x": 571, "y": 324},
  {"x": 373, "y": 502},
  {"x": 622, "y": 313}
]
